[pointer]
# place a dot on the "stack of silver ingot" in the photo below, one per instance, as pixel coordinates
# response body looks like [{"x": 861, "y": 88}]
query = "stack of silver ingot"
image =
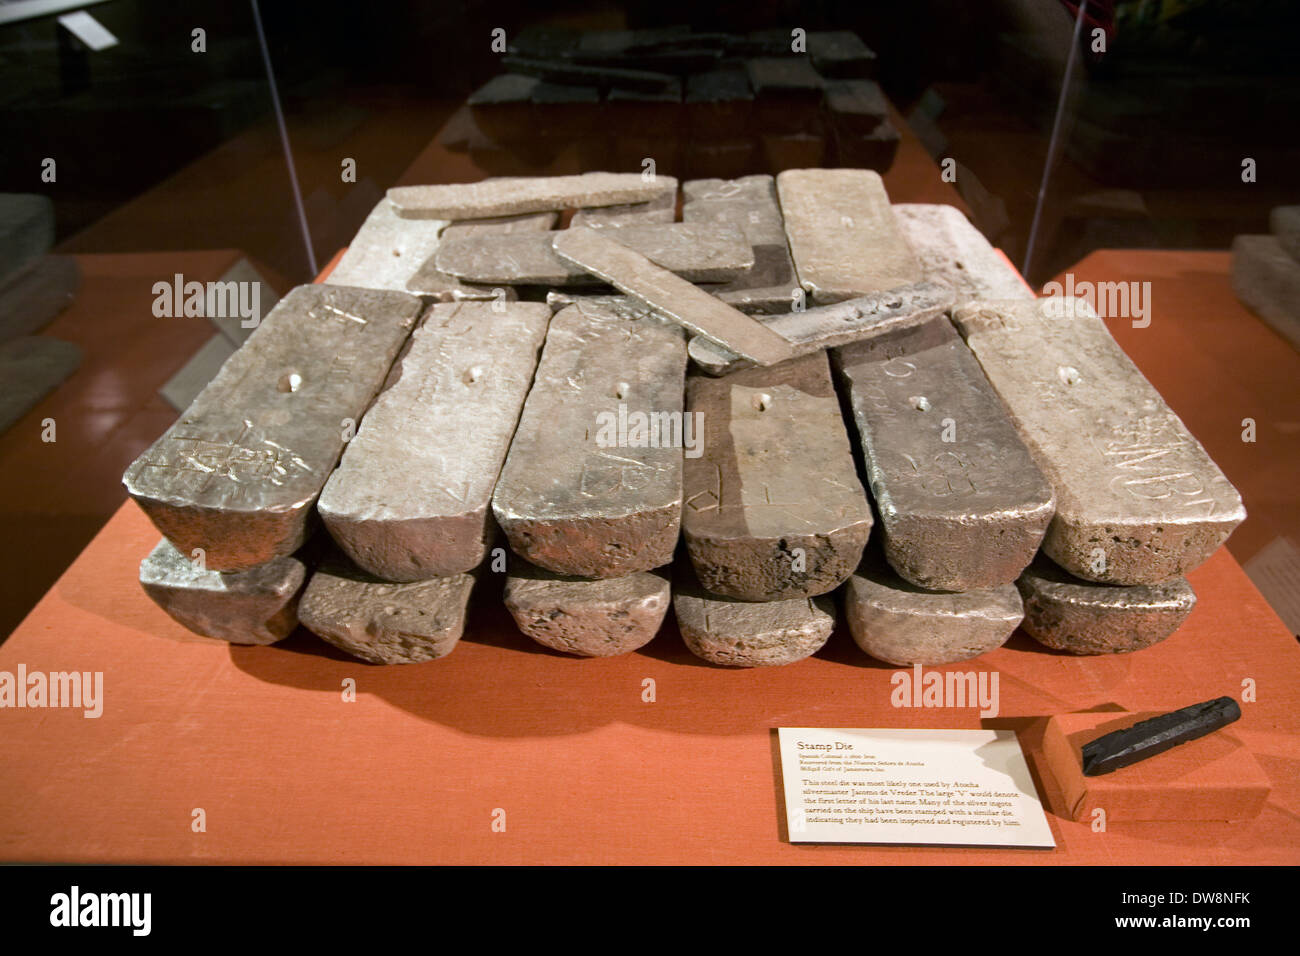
[{"x": 701, "y": 438}]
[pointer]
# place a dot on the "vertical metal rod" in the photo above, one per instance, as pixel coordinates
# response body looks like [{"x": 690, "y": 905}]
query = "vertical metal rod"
[
  {"x": 1053, "y": 144},
  {"x": 284, "y": 141}
]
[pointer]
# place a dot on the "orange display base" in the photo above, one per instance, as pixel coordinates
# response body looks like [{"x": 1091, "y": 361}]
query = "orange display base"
[{"x": 1213, "y": 778}]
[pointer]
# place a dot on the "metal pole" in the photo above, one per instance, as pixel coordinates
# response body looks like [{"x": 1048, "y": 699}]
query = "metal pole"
[
  {"x": 1053, "y": 144},
  {"x": 284, "y": 141}
]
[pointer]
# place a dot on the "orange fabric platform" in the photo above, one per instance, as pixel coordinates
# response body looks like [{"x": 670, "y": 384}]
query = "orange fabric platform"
[{"x": 585, "y": 770}]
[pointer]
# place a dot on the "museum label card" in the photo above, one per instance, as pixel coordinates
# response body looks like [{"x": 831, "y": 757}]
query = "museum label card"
[{"x": 954, "y": 787}]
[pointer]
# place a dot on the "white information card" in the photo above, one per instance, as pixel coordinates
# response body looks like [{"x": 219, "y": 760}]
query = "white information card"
[{"x": 955, "y": 787}]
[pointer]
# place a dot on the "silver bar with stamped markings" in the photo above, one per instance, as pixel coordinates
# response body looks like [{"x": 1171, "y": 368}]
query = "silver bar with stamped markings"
[
  {"x": 238, "y": 474},
  {"x": 411, "y": 496},
  {"x": 1138, "y": 500},
  {"x": 961, "y": 502},
  {"x": 733, "y": 633},
  {"x": 773, "y": 507},
  {"x": 671, "y": 296},
  {"x": 843, "y": 237},
  {"x": 587, "y": 488}
]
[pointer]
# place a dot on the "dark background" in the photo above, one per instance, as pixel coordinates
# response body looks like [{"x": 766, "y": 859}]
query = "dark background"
[{"x": 1166, "y": 115}]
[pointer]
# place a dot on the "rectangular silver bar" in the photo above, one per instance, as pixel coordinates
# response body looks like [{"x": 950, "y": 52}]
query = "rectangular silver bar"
[
  {"x": 514, "y": 195},
  {"x": 589, "y": 618},
  {"x": 843, "y": 237},
  {"x": 239, "y": 472},
  {"x": 698, "y": 252},
  {"x": 432, "y": 284},
  {"x": 826, "y": 326},
  {"x": 961, "y": 502},
  {"x": 1138, "y": 500},
  {"x": 580, "y": 492},
  {"x": 386, "y": 251},
  {"x": 411, "y": 497},
  {"x": 382, "y": 622},
  {"x": 435, "y": 286},
  {"x": 898, "y": 623},
  {"x": 954, "y": 251},
  {"x": 773, "y": 507},
  {"x": 257, "y": 606},
  {"x": 1080, "y": 617},
  {"x": 671, "y": 296},
  {"x": 663, "y": 208},
  {"x": 500, "y": 225},
  {"x": 748, "y": 204},
  {"x": 732, "y": 633}
]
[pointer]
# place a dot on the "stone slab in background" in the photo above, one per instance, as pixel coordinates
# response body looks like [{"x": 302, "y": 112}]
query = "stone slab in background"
[
  {"x": 856, "y": 107},
  {"x": 787, "y": 93},
  {"x": 33, "y": 297},
  {"x": 502, "y": 106},
  {"x": 718, "y": 103},
  {"x": 588, "y": 618},
  {"x": 257, "y": 606},
  {"x": 1284, "y": 223},
  {"x": 840, "y": 53},
  {"x": 31, "y": 367},
  {"x": 26, "y": 232},
  {"x": 603, "y": 77},
  {"x": 233, "y": 326},
  {"x": 181, "y": 389},
  {"x": 875, "y": 150},
  {"x": 1266, "y": 278}
]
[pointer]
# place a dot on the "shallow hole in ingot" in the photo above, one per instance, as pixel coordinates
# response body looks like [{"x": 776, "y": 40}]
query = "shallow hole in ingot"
[
  {"x": 472, "y": 375},
  {"x": 920, "y": 403},
  {"x": 621, "y": 390},
  {"x": 763, "y": 402},
  {"x": 289, "y": 382},
  {"x": 1069, "y": 374}
]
